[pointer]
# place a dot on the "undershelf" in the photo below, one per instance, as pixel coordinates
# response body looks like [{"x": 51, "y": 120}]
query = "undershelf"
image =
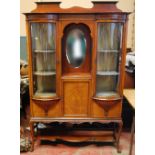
[
  {"x": 76, "y": 134},
  {"x": 78, "y": 138},
  {"x": 75, "y": 120}
]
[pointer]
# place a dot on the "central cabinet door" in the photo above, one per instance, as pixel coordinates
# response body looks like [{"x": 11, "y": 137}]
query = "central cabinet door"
[
  {"x": 76, "y": 98},
  {"x": 76, "y": 69}
]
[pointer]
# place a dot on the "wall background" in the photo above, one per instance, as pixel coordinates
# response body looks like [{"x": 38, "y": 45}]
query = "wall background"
[{"x": 28, "y": 5}]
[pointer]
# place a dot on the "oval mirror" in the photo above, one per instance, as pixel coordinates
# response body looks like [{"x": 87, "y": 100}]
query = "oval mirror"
[{"x": 75, "y": 47}]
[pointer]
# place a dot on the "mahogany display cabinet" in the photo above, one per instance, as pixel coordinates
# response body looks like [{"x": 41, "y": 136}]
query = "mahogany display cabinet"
[{"x": 76, "y": 69}]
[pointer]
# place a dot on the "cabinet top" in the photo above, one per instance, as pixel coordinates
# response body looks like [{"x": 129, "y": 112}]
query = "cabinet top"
[{"x": 98, "y": 7}]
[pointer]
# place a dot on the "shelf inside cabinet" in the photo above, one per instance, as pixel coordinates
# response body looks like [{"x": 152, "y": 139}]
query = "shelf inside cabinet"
[
  {"x": 107, "y": 73},
  {"x": 112, "y": 95},
  {"x": 107, "y": 51},
  {"x": 45, "y": 51},
  {"x": 44, "y": 94},
  {"x": 107, "y": 94},
  {"x": 44, "y": 73}
]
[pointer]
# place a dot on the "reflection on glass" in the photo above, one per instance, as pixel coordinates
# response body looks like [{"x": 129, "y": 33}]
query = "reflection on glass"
[
  {"x": 43, "y": 35},
  {"x": 106, "y": 83},
  {"x": 108, "y": 57},
  {"x": 75, "y": 47},
  {"x": 107, "y": 61},
  {"x": 109, "y": 36},
  {"x": 45, "y": 62},
  {"x": 43, "y": 54},
  {"x": 45, "y": 85}
]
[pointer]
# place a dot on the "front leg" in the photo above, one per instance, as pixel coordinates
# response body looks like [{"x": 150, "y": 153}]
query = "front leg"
[
  {"x": 120, "y": 125},
  {"x": 32, "y": 135}
]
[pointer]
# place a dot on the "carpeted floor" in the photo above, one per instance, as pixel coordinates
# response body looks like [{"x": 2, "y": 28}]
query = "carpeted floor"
[{"x": 80, "y": 149}]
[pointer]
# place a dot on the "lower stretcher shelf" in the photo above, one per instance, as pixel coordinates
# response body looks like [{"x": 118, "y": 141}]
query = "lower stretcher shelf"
[{"x": 78, "y": 133}]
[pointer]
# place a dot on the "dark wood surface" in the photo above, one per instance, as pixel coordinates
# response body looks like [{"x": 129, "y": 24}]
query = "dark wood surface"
[
  {"x": 129, "y": 80},
  {"x": 51, "y": 7}
]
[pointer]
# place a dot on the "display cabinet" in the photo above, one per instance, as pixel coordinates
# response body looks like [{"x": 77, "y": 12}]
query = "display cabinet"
[{"x": 76, "y": 69}]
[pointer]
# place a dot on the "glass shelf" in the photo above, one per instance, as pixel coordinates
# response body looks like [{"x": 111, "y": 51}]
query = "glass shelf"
[
  {"x": 107, "y": 94},
  {"x": 44, "y": 51},
  {"x": 107, "y": 51},
  {"x": 44, "y": 94},
  {"x": 44, "y": 73},
  {"x": 107, "y": 73}
]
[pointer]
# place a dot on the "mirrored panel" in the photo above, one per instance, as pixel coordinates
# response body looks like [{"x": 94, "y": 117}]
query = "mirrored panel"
[
  {"x": 108, "y": 58},
  {"x": 76, "y": 48},
  {"x": 43, "y": 55}
]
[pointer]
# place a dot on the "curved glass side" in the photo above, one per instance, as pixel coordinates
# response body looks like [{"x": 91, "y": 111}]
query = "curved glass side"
[
  {"x": 43, "y": 57},
  {"x": 108, "y": 58}
]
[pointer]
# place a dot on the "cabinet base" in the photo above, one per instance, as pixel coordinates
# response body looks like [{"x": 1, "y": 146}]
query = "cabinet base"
[{"x": 75, "y": 132}]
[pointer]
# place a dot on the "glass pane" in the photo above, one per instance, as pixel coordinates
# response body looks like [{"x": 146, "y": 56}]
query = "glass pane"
[
  {"x": 109, "y": 36},
  {"x": 76, "y": 47},
  {"x": 44, "y": 86},
  {"x": 106, "y": 84},
  {"x": 43, "y": 55},
  {"x": 43, "y": 36},
  {"x": 107, "y": 61},
  {"x": 108, "y": 58},
  {"x": 45, "y": 61}
]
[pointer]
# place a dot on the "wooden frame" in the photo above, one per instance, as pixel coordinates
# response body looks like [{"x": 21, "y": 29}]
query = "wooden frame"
[{"x": 59, "y": 108}]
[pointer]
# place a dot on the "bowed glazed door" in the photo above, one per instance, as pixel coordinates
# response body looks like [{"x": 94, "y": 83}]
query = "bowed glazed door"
[
  {"x": 43, "y": 55},
  {"x": 109, "y": 69},
  {"x": 76, "y": 69}
]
